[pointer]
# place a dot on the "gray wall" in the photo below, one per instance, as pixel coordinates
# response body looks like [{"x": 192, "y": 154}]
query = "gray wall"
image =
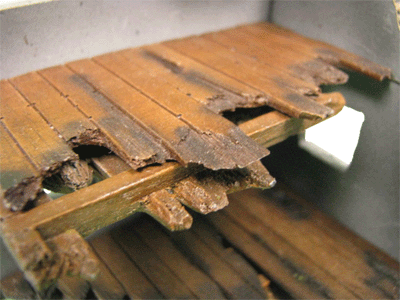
[
  {"x": 47, "y": 34},
  {"x": 365, "y": 198}
]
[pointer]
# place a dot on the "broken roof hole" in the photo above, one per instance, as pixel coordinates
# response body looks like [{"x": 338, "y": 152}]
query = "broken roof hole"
[{"x": 241, "y": 115}]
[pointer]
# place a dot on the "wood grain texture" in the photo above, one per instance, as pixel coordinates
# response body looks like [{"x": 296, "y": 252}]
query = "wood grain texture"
[
  {"x": 97, "y": 206},
  {"x": 42, "y": 144},
  {"x": 229, "y": 280},
  {"x": 15, "y": 286},
  {"x": 53, "y": 106},
  {"x": 282, "y": 94},
  {"x": 227, "y": 146},
  {"x": 195, "y": 279},
  {"x": 161, "y": 102},
  {"x": 300, "y": 240},
  {"x": 150, "y": 264},
  {"x": 44, "y": 148},
  {"x": 118, "y": 132},
  {"x": 329, "y": 52},
  {"x": 124, "y": 269}
]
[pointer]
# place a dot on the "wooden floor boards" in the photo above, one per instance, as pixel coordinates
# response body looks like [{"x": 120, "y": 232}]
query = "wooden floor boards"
[{"x": 158, "y": 113}]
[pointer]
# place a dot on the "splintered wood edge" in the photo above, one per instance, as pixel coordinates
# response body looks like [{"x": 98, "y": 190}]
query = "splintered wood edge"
[{"x": 116, "y": 198}]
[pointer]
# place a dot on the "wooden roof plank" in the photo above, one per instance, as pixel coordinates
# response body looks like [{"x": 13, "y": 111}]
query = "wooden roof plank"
[
  {"x": 216, "y": 90},
  {"x": 118, "y": 132},
  {"x": 287, "y": 58},
  {"x": 42, "y": 144},
  {"x": 328, "y": 52},
  {"x": 53, "y": 106},
  {"x": 281, "y": 95},
  {"x": 230, "y": 145},
  {"x": 151, "y": 265},
  {"x": 198, "y": 282},
  {"x": 128, "y": 274},
  {"x": 221, "y": 272}
]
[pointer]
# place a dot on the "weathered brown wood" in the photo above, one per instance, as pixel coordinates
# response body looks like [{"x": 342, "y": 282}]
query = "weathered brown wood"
[
  {"x": 274, "y": 127},
  {"x": 367, "y": 270},
  {"x": 185, "y": 144},
  {"x": 43, "y": 146},
  {"x": 86, "y": 211},
  {"x": 197, "y": 281},
  {"x": 267, "y": 260},
  {"x": 53, "y": 106},
  {"x": 19, "y": 176},
  {"x": 167, "y": 210},
  {"x": 328, "y": 52},
  {"x": 73, "y": 287},
  {"x": 268, "y": 51},
  {"x": 297, "y": 239},
  {"x": 312, "y": 273},
  {"x": 45, "y": 149},
  {"x": 287, "y": 99},
  {"x": 204, "y": 192},
  {"x": 278, "y": 67},
  {"x": 161, "y": 204},
  {"x": 221, "y": 272},
  {"x": 105, "y": 286},
  {"x": 216, "y": 90},
  {"x": 135, "y": 283},
  {"x": 209, "y": 236},
  {"x": 32, "y": 255},
  {"x": 72, "y": 256},
  {"x": 151, "y": 265},
  {"x": 15, "y": 286},
  {"x": 98, "y": 205},
  {"x": 230, "y": 146},
  {"x": 118, "y": 132}
]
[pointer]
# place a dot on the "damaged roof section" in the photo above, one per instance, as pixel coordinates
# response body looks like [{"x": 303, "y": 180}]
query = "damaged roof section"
[{"x": 162, "y": 102}]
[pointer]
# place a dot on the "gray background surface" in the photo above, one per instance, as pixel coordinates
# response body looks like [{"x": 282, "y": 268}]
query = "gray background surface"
[{"x": 365, "y": 198}]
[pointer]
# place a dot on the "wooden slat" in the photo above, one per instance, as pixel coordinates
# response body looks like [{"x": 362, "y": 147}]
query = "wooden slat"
[
  {"x": 105, "y": 286},
  {"x": 167, "y": 210},
  {"x": 364, "y": 272},
  {"x": 222, "y": 273},
  {"x": 118, "y": 132},
  {"x": 32, "y": 255},
  {"x": 328, "y": 283},
  {"x": 208, "y": 235},
  {"x": 53, "y": 106},
  {"x": 248, "y": 54},
  {"x": 102, "y": 198},
  {"x": 44, "y": 147},
  {"x": 132, "y": 279},
  {"x": 283, "y": 98},
  {"x": 197, "y": 281},
  {"x": 279, "y": 269},
  {"x": 17, "y": 172},
  {"x": 290, "y": 59},
  {"x": 15, "y": 286},
  {"x": 73, "y": 287},
  {"x": 327, "y": 52},
  {"x": 231, "y": 147},
  {"x": 204, "y": 192},
  {"x": 100, "y": 204},
  {"x": 274, "y": 127},
  {"x": 216, "y": 90},
  {"x": 161, "y": 205},
  {"x": 297, "y": 239},
  {"x": 151, "y": 265}
]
